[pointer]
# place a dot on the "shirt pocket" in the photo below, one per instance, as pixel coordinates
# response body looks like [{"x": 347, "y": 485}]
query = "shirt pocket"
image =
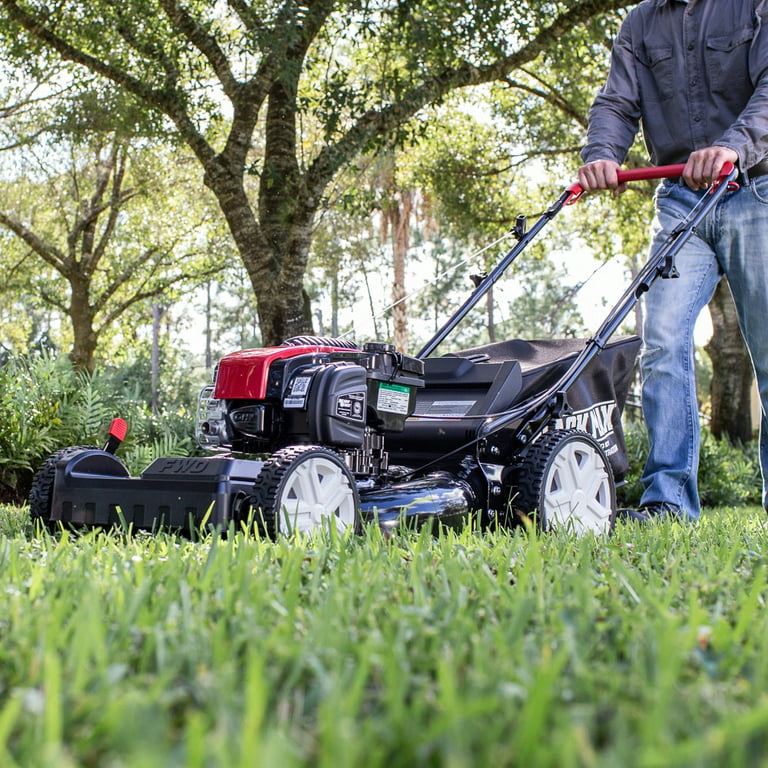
[
  {"x": 655, "y": 72},
  {"x": 727, "y": 63}
]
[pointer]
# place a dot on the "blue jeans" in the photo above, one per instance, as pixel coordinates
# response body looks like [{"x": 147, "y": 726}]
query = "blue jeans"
[{"x": 732, "y": 241}]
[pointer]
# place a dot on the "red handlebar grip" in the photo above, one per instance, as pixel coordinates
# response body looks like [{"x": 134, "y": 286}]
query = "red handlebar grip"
[{"x": 653, "y": 172}]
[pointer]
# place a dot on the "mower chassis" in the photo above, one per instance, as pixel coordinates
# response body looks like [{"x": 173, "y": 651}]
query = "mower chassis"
[{"x": 515, "y": 449}]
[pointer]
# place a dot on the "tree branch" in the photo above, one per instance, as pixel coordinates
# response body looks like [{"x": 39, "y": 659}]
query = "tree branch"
[
  {"x": 50, "y": 254},
  {"x": 166, "y": 101},
  {"x": 377, "y": 122},
  {"x": 551, "y": 97},
  {"x": 205, "y": 43},
  {"x": 158, "y": 288}
]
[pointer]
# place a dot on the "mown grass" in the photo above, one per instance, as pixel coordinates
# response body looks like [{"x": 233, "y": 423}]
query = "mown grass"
[{"x": 463, "y": 649}]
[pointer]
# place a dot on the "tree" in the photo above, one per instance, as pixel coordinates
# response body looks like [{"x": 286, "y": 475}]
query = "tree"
[
  {"x": 291, "y": 92},
  {"x": 94, "y": 228},
  {"x": 732, "y": 378},
  {"x": 464, "y": 166}
]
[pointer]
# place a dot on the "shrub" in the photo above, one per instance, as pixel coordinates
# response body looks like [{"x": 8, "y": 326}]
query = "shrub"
[
  {"x": 728, "y": 474},
  {"x": 45, "y": 405}
]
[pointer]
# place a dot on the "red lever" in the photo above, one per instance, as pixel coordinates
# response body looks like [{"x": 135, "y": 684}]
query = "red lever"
[
  {"x": 653, "y": 172},
  {"x": 117, "y": 432}
]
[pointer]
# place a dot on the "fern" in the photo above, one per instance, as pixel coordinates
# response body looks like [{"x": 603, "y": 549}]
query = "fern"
[
  {"x": 45, "y": 406},
  {"x": 140, "y": 455}
]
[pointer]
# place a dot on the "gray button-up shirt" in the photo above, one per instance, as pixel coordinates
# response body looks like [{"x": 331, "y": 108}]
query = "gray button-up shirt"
[{"x": 692, "y": 74}]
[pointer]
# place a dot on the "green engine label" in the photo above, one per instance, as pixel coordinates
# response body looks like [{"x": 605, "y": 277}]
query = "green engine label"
[{"x": 393, "y": 398}]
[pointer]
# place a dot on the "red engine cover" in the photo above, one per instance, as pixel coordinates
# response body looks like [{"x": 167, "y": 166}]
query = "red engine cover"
[{"x": 243, "y": 375}]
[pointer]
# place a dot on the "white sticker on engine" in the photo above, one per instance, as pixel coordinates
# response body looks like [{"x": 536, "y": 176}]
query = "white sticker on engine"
[
  {"x": 296, "y": 397},
  {"x": 393, "y": 398},
  {"x": 300, "y": 385}
]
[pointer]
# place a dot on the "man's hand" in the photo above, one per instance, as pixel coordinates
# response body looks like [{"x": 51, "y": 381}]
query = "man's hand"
[
  {"x": 601, "y": 174},
  {"x": 704, "y": 166}
]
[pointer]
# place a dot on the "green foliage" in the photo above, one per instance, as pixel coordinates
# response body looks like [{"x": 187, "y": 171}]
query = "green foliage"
[
  {"x": 45, "y": 406},
  {"x": 728, "y": 474},
  {"x": 465, "y": 167},
  {"x": 647, "y": 649}
]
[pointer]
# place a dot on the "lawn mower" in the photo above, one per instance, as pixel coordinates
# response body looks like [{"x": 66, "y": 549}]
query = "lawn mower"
[{"x": 320, "y": 431}]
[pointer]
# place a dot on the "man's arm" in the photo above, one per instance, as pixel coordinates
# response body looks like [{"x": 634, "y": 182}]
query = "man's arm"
[
  {"x": 614, "y": 119},
  {"x": 746, "y": 141},
  {"x": 601, "y": 174}
]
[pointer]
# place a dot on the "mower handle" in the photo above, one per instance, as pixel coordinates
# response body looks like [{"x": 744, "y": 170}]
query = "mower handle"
[{"x": 655, "y": 172}]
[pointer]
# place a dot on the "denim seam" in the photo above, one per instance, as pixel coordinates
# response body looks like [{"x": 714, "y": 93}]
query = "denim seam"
[{"x": 687, "y": 370}]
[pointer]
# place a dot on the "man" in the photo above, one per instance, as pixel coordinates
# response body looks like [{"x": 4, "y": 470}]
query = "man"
[{"x": 694, "y": 75}]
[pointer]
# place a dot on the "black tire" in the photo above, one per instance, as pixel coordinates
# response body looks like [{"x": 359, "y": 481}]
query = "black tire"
[
  {"x": 565, "y": 481},
  {"x": 301, "y": 487},
  {"x": 41, "y": 493}
]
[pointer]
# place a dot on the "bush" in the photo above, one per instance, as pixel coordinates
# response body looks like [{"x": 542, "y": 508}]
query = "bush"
[
  {"x": 45, "y": 405},
  {"x": 728, "y": 474}
]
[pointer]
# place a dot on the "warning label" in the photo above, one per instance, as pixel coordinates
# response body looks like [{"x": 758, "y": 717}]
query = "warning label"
[{"x": 393, "y": 398}]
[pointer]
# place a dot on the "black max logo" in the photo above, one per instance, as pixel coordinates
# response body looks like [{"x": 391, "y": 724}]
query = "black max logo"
[{"x": 597, "y": 421}]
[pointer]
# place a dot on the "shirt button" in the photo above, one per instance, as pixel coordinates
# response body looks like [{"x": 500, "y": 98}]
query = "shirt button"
[
  {"x": 697, "y": 119},
  {"x": 693, "y": 81},
  {"x": 690, "y": 46}
]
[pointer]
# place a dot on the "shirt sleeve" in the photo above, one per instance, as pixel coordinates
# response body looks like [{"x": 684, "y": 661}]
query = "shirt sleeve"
[
  {"x": 748, "y": 134},
  {"x": 614, "y": 117}
]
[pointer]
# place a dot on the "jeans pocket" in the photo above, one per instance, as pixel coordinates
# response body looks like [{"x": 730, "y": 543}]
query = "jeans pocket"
[
  {"x": 759, "y": 189},
  {"x": 664, "y": 190}
]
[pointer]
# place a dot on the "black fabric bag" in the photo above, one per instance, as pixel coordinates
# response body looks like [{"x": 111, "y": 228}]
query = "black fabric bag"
[{"x": 597, "y": 398}]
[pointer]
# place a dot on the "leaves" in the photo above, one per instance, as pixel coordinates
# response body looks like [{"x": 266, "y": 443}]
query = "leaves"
[{"x": 45, "y": 405}]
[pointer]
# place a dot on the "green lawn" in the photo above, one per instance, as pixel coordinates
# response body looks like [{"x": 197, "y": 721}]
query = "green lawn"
[{"x": 646, "y": 649}]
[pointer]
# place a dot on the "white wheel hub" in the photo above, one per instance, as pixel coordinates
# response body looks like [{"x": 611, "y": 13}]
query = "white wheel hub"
[
  {"x": 314, "y": 490},
  {"x": 577, "y": 489}
]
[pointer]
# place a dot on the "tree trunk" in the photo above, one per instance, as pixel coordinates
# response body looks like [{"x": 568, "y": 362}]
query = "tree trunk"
[
  {"x": 334, "y": 303},
  {"x": 85, "y": 337},
  {"x": 276, "y": 266},
  {"x": 490, "y": 315},
  {"x": 208, "y": 331},
  {"x": 732, "y": 375},
  {"x": 400, "y": 219},
  {"x": 275, "y": 247},
  {"x": 157, "y": 316}
]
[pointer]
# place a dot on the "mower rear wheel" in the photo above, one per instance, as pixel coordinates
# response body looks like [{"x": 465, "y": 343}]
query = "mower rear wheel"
[
  {"x": 566, "y": 481},
  {"x": 302, "y": 487}
]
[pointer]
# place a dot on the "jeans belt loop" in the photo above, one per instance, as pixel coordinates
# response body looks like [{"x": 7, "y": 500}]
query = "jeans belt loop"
[{"x": 744, "y": 179}]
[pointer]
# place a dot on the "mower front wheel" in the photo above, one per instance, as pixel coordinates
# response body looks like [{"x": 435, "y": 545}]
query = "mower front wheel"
[
  {"x": 302, "y": 487},
  {"x": 565, "y": 480},
  {"x": 41, "y": 493}
]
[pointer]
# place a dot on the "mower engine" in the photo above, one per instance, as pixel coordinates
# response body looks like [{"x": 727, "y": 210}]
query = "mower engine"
[{"x": 342, "y": 397}]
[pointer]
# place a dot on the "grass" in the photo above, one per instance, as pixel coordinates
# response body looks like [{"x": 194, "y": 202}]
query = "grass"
[{"x": 465, "y": 649}]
